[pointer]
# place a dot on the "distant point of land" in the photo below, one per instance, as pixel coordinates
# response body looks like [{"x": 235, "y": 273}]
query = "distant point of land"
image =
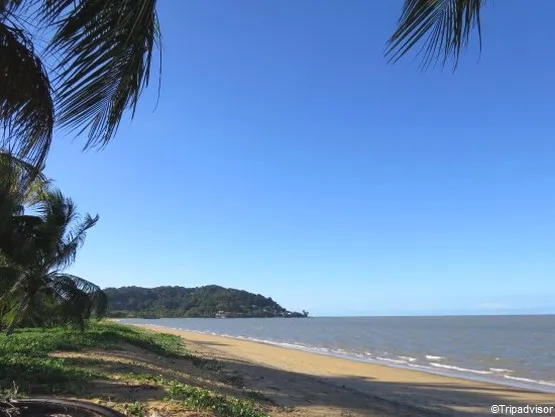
[{"x": 208, "y": 301}]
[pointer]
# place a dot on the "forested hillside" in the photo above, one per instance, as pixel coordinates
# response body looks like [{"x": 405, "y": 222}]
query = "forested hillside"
[{"x": 208, "y": 301}]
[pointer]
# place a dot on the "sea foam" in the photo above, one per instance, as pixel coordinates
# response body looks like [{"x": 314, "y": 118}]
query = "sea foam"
[
  {"x": 432, "y": 363},
  {"x": 459, "y": 369}
]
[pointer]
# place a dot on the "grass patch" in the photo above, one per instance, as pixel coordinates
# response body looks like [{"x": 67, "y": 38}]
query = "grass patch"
[
  {"x": 145, "y": 378},
  {"x": 201, "y": 399},
  {"x": 37, "y": 342},
  {"x": 137, "y": 409},
  {"x": 28, "y": 366},
  {"x": 25, "y": 360}
]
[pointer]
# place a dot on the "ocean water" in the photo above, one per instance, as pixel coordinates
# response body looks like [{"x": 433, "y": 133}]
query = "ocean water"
[{"x": 510, "y": 350}]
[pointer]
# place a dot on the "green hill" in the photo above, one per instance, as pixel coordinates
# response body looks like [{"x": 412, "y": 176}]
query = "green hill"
[{"x": 208, "y": 301}]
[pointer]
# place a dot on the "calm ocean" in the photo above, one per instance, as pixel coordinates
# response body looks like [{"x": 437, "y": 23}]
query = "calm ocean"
[{"x": 510, "y": 350}]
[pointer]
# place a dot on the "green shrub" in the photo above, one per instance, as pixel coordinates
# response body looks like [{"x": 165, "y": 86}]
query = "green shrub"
[
  {"x": 201, "y": 399},
  {"x": 25, "y": 360}
]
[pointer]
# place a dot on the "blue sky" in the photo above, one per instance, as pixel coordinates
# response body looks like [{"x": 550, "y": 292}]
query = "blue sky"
[{"x": 287, "y": 158}]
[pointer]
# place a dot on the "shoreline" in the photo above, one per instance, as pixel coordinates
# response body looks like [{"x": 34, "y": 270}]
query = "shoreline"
[
  {"x": 534, "y": 386},
  {"x": 283, "y": 373}
]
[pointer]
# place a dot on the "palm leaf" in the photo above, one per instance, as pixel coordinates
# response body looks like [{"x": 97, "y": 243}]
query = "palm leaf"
[
  {"x": 22, "y": 182},
  {"x": 78, "y": 293},
  {"x": 26, "y": 106},
  {"x": 9, "y": 312},
  {"x": 62, "y": 230},
  {"x": 8, "y": 6},
  {"x": 22, "y": 244},
  {"x": 16, "y": 309},
  {"x": 443, "y": 28},
  {"x": 57, "y": 211},
  {"x": 21, "y": 185},
  {"x": 8, "y": 277},
  {"x": 105, "y": 50},
  {"x": 74, "y": 240}
]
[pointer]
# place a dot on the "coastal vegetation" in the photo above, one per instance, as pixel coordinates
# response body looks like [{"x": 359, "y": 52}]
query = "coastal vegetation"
[
  {"x": 90, "y": 67},
  {"x": 76, "y": 65},
  {"x": 95, "y": 365},
  {"x": 40, "y": 234},
  {"x": 101, "y": 64},
  {"x": 44, "y": 312},
  {"x": 100, "y": 56},
  {"x": 207, "y": 301}
]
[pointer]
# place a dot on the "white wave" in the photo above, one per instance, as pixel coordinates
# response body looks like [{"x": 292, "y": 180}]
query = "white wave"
[
  {"x": 496, "y": 375},
  {"x": 500, "y": 370},
  {"x": 423, "y": 367},
  {"x": 434, "y": 358},
  {"x": 530, "y": 381},
  {"x": 459, "y": 369},
  {"x": 397, "y": 361}
]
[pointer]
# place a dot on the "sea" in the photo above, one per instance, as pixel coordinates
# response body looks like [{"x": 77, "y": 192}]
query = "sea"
[{"x": 517, "y": 351}]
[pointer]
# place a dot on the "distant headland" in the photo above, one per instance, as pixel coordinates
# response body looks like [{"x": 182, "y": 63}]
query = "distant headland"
[{"x": 207, "y": 301}]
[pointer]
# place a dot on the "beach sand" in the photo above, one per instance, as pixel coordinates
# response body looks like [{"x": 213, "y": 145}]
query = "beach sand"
[{"x": 312, "y": 385}]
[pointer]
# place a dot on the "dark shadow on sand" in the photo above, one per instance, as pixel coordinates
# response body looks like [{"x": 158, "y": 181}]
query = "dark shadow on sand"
[
  {"x": 274, "y": 387},
  {"x": 407, "y": 399}
]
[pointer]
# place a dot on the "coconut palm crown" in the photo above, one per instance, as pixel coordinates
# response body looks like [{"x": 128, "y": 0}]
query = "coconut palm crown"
[{"x": 99, "y": 56}]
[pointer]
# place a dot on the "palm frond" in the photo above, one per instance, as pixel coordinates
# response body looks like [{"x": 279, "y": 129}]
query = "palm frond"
[
  {"x": 21, "y": 181},
  {"x": 21, "y": 185},
  {"x": 26, "y": 106},
  {"x": 443, "y": 28},
  {"x": 7, "y": 7},
  {"x": 79, "y": 293},
  {"x": 9, "y": 312},
  {"x": 8, "y": 278},
  {"x": 22, "y": 244},
  {"x": 105, "y": 50},
  {"x": 15, "y": 311},
  {"x": 63, "y": 230},
  {"x": 57, "y": 210},
  {"x": 73, "y": 241}
]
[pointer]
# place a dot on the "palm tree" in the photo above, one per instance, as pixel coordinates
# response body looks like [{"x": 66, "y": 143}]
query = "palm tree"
[
  {"x": 32, "y": 264},
  {"x": 20, "y": 184},
  {"x": 442, "y": 28},
  {"x": 101, "y": 53}
]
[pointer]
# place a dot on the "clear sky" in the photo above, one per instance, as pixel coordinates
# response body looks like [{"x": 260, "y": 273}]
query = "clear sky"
[{"x": 287, "y": 158}]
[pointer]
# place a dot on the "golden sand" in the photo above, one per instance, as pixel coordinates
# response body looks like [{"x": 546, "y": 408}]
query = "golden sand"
[{"x": 313, "y": 385}]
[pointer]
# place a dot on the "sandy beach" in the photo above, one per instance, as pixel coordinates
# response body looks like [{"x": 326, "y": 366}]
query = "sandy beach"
[{"x": 307, "y": 384}]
